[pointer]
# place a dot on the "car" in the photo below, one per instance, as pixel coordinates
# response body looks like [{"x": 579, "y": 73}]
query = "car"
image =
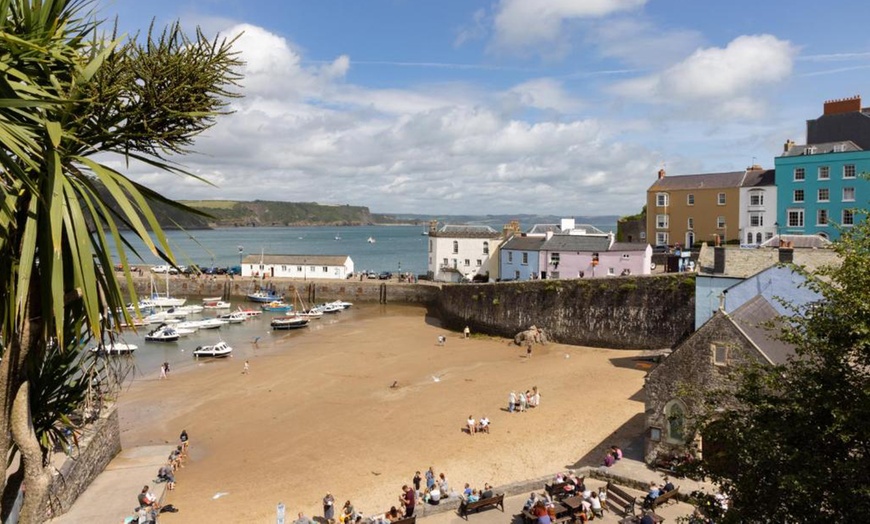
[
  {"x": 371, "y": 274},
  {"x": 660, "y": 249},
  {"x": 163, "y": 269},
  {"x": 385, "y": 275}
]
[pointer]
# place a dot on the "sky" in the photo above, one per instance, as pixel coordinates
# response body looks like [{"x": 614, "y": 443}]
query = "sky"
[{"x": 561, "y": 107}]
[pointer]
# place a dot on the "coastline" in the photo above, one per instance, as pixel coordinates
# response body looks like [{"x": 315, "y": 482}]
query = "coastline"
[{"x": 318, "y": 415}]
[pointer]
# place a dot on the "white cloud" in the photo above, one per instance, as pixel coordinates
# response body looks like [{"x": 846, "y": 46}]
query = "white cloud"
[
  {"x": 524, "y": 24},
  {"x": 724, "y": 81},
  {"x": 637, "y": 42},
  {"x": 544, "y": 94}
]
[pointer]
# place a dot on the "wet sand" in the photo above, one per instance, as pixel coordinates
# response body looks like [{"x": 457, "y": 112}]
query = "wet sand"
[{"x": 316, "y": 413}]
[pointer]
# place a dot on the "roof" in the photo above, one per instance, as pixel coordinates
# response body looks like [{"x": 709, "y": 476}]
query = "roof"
[
  {"x": 628, "y": 246},
  {"x": 844, "y": 146},
  {"x": 304, "y": 260},
  {"x": 751, "y": 318},
  {"x": 524, "y": 243},
  {"x": 803, "y": 241},
  {"x": 760, "y": 178},
  {"x": 854, "y": 126},
  {"x": 466, "y": 231},
  {"x": 543, "y": 229},
  {"x": 701, "y": 181},
  {"x": 576, "y": 243}
]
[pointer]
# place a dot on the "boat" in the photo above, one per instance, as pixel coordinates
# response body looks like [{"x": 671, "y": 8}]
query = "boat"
[
  {"x": 219, "y": 350},
  {"x": 371, "y": 240},
  {"x": 338, "y": 237},
  {"x": 160, "y": 317},
  {"x": 183, "y": 332},
  {"x": 211, "y": 299},
  {"x": 114, "y": 348},
  {"x": 165, "y": 300},
  {"x": 264, "y": 296},
  {"x": 311, "y": 314},
  {"x": 217, "y": 304},
  {"x": 212, "y": 323},
  {"x": 234, "y": 318},
  {"x": 164, "y": 333},
  {"x": 250, "y": 312},
  {"x": 291, "y": 322},
  {"x": 343, "y": 304},
  {"x": 327, "y": 308},
  {"x": 277, "y": 306},
  {"x": 190, "y": 309},
  {"x": 191, "y": 325}
]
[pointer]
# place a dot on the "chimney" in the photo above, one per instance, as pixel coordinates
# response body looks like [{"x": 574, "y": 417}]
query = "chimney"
[
  {"x": 567, "y": 225},
  {"x": 549, "y": 234},
  {"x": 786, "y": 255},
  {"x": 719, "y": 260},
  {"x": 843, "y": 105},
  {"x": 787, "y": 146},
  {"x": 433, "y": 226},
  {"x": 661, "y": 173}
]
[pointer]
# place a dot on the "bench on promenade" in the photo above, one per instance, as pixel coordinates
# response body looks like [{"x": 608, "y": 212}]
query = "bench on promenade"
[
  {"x": 664, "y": 497},
  {"x": 618, "y": 498},
  {"x": 465, "y": 507},
  {"x": 557, "y": 490}
]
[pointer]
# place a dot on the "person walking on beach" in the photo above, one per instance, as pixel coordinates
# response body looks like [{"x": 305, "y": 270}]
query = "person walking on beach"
[
  {"x": 247, "y": 368},
  {"x": 529, "y": 351},
  {"x": 162, "y": 371},
  {"x": 328, "y": 507}
]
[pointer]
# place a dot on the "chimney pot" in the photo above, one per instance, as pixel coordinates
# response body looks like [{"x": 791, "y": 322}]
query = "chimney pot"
[{"x": 661, "y": 173}]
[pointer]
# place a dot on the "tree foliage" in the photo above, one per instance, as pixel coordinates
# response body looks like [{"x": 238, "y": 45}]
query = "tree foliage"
[
  {"x": 68, "y": 92},
  {"x": 797, "y": 436}
]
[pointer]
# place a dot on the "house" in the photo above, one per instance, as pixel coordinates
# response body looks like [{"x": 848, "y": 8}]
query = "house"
[
  {"x": 757, "y": 206},
  {"x": 704, "y": 361},
  {"x": 298, "y": 266},
  {"x": 520, "y": 257},
  {"x": 460, "y": 252}
]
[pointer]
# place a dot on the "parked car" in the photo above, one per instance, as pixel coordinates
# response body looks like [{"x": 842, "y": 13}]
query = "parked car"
[
  {"x": 235, "y": 270},
  {"x": 163, "y": 269},
  {"x": 192, "y": 269},
  {"x": 660, "y": 249},
  {"x": 371, "y": 274},
  {"x": 385, "y": 275}
]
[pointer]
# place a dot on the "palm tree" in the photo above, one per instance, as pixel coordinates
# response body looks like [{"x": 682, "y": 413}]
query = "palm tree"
[{"x": 68, "y": 92}]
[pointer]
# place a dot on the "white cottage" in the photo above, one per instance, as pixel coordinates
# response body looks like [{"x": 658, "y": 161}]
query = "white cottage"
[
  {"x": 461, "y": 252},
  {"x": 298, "y": 266}
]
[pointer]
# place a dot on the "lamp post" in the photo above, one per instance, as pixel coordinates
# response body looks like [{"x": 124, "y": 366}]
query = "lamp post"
[{"x": 241, "y": 254}]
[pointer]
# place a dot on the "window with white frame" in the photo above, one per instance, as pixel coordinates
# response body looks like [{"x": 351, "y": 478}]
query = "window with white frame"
[
  {"x": 554, "y": 259},
  {"x": 824, "y": 195},
  {"x": 611, "y": 271},
  {"x": 720, "y": 222},
  {"x": 299, "y": 269},
  {"x": 643, "y": 235},
  {"x": 467, "y": 262},
  {"x": 720, "y": 199},
  {"x": 848, "y": 194},
  {"x": 821, "y": 217},
  {"x": 486, "y": 248},
  {"x": 662, "y": 199},
  {"x": 662, "y": 221},
  {"x": 756, "y": 198},
  {"x": 690, "y": 223},
  {"x": 510, "y": 256},
  {"x": 798, "y": 195},
  {"x": 719, "y": 352},
  {"x": 325, "y": 269},
  {"x": 661, "y": 239},
  {"x": 849, "y": 171},
  {"x": 800, "y": 174},
  {"x": 824, "y": 172},
  {"x": 455, "y": 246},
  {"x": 479, "y": 262},
  {"x": 756, "y": 219},
  {"x": 312, "y": 269},
  {"x": 525, "y": 258},
  {"x": 795, "y": 217},
  {"x": 446, "y": 263},
  {"x": 690, "y": 199},
  {"x": 848, "y": 217},
  {"x": 768, "y": 236}
]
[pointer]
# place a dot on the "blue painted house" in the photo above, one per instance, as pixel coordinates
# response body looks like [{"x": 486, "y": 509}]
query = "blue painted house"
[{"x": 520, "y": 258}]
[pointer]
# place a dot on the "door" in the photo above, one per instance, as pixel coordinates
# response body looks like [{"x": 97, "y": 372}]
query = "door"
[{"x": 690, "y": 239}]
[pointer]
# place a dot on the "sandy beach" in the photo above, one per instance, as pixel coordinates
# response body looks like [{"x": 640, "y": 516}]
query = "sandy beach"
[{"x": 316, "y": 413}]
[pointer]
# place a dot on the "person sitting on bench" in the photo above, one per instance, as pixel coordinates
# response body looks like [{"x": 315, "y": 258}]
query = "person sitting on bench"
[{"x": 653, "y": 494}]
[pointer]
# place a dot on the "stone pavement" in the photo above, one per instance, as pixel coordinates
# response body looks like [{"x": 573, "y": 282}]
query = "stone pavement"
[{"x": 112, "y": 496}]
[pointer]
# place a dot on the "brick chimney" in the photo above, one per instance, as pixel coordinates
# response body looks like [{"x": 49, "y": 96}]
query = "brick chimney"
[
  {"x": 661, "y": 173},
  {"x": 786, "y": 255},
  {"x": 787, "y": 146},
  {"x": 433, "y": 226},
  {"x": 843, "y": 105}
]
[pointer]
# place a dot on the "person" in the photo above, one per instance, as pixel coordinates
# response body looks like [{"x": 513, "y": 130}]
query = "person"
[
  {"x": 434, "y": 495},
  {"x": 445, "y": 487},
  {"x": 608, "y": 460},
  {"x": 653, "y": 494},
  {"x": 417, "y": 480},
  {"x": 471, "y": 425},
  {"x": 669, "y": 486},
  {"x": 166, "y": 365},
  {"x": 162, "y": 371},
  {"x": 474, "y": 496},
  {"x": 148, "y": 499},
  {"x": 536, "y": 397},
  {"x": 393, "y": 515},
  {"x": 483, "y": 426},
  {"x": 184, "y": 438},
  {"x": 529, "y": 351},
  {"x": 467, "y": 491},
  {"x": 596, "y": 505},
  {"x": 512, "y": 402},
  {"x": 302, "y": 519},
  {"x": 328, "y": 507},
  {"x": 247, "y": 368},
  {"x": 616, "y": 451},
  {"x": 531, "y": 501},
  {"x": 347, "y": 513},
  {"x": 165, "y": 474},
  {"x": 602, "y": 497},
  {"x": 442, "y": 340},
  {"x": 467, "y": 332},
  {"x": 409, "y": 498},
  {"x": 430, "y": 477},
  {"x": 647, "y": 519},
  {"x": 487, "y": 491}
]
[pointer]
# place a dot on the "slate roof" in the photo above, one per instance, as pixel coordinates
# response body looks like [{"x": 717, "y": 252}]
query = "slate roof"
[
  {"x": 466, "y": 231},
  {"x": 576, "y": 243},
  {"x": 750, "y": 319},
  {"x": 818, "y": 149},
  {"x": 522, "y": 243},
  {"x": 854, "y": 126},
  {"x": 628, "y": 246},
  {"x": 701, "y": 181},
  {"x": 760, "y": 178},
  {"x": 543, "y": 229},
  {"x": 297, "y": 260}
]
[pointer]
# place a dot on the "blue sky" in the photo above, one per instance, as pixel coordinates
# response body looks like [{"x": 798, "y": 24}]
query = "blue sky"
[{"x": 565, "y": 107}]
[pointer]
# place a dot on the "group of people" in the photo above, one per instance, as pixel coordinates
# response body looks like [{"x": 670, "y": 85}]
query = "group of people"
[
  {"x": 477, "y": 426},
  {"x": 656, "y": 491},
  {"x": 519, "y": 402},
  {"x": 149, "y": 504},
  {"x": 592, "y": 505},
  {"x": 612, "y": 456}
]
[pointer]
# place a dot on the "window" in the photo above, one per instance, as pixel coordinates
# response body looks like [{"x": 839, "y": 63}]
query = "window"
[
  {"x": 479, "y": 262},
  {"x": 720, "y": 222},
  {"x": 848, "y": 217},
  {"x": 299, "y": 269},
  {"x": 516, "y": 275},
  {"x": 611, "y": 271},
  {"x": 325, "y": 269},
  {"x": 824, "y": 172},
  {"x": 839, "y": 148},
  {"x": 510, "y": 257},
  {"x": 795, "y": 217},
  {"x": 662, "y": 200},
  {"x": 821, "y": 217},
  {"x": 756, "y": 219},
  {"x": 768, "y": 236},
  {"x": 467, "y": 262},
  {"x": 849, "y": 171},
  {"x": 643, "y": 235},
  {"x": 756, "y": 198},
  {"x": 721, "y": 199},
  {"x": 485, "y": 248},
  {"x": 661, "y": 239},
  {"x": 720, "y": 353},
  {"x": 554, "y": 259},
  {"x": 626, "y": 256},
  {"x": 799, "y": 174},
  {"x": 312, "y": 269},
  {"x": 690, "y": 199},
  {"x": 798, "y": 195},
  {"x": 848, "y": 194},
  {"x": 758, "y": 238},
  {"x": 675, "y": 415},
  {"x": 749, "y": 238},
  {"x": 430, "y": 246},
  {"x": 525, "y": 258},
  {"x": 445, "y": 264},
  {"x": 824, "y": 195},
  {"x": 662, "y": 221},
  {"x": 455, "y": 246},
  {"x": 690, "y": 223}
]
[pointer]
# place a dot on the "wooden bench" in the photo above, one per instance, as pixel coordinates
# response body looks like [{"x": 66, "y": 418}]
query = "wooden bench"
[
  {"x": 465, "y": 507},
  {"x": 664, "y": 497},
  {"x": 557, "y": 491},
  {"x": 617, "y": 497}
]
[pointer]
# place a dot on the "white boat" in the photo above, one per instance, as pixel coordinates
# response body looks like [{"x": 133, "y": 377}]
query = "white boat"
[
  {"x": 289, "y": 322},
  {"x": 115, "y": 348},
  {"x": 164, "y": 333},
  {"x": 217, "y": 304},
  {"x": 234, "y": 318},
  {"x": 343, "y": 304},
  {"x": 190, "y": 324},
  {"x": 160, "y": 318},
  {"x": 219, "y": 350},
  {"x": 212, "y": 299},
  {"x": 311, "y": 314},
  {"x": 165, "y": 299},
  {"x": 338, "y": 237},
  {"x": 190, "y": 309},
  {"x": 327, "y": 308},
  {"x": 371, "y": 240},
  {"x": 183, "y": 332},
  {"x": 212, "y": 323},
  {"x": 250, "y": 313}
]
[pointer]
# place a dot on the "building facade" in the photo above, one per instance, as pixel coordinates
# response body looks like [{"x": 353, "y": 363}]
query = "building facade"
[
  {"x": 520, "y": 258},
  {"x": 304, "y": 267},
  {"x": 461, "y": 252},
  {"x": 758, "y": 207}
]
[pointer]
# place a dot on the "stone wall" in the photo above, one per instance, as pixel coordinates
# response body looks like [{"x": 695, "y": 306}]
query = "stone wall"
[
  {"x": 97, "y": 447},
  {"x": 626, "y": 312}
]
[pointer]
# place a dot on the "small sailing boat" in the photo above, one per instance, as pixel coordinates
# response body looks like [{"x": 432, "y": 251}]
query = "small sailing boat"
[{"x": 371, "y": 240}]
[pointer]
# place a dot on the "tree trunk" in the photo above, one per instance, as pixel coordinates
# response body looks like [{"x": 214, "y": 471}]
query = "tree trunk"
[{"x": 36, "y": 474}]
